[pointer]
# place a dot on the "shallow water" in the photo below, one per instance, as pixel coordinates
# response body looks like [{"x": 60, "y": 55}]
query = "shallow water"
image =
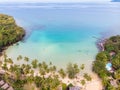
[{"x": 63, "y": 33}]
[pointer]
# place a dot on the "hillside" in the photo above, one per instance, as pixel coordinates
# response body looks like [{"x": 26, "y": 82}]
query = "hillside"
[{"x": 10, "y": 32}]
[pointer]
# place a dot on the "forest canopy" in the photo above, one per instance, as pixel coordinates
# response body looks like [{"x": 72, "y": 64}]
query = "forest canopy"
[{"x": 10, "y": 32}]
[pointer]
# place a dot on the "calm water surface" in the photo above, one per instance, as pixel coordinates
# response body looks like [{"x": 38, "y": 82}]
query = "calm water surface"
[{"x": 63, "y": 33}]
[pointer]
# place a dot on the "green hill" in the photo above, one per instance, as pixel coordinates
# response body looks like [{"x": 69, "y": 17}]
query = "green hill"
[{"x": 10, "y": 32}]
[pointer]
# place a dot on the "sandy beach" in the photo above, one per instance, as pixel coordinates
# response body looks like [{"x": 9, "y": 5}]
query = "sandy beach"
[{"x": 94, "y": 84}]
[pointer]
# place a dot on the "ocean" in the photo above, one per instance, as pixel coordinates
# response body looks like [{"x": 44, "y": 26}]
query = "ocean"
[{"x": 63, "y": 32}]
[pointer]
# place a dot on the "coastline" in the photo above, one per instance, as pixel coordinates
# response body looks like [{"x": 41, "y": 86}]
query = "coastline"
[
  {"x": 108, "y": 55},
  {"x": 94, "y": 84},
  {"x": 90, "y": 85}
]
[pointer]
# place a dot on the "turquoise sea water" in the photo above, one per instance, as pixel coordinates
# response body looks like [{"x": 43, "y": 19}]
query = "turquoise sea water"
[{"x": 63, "y": 33}]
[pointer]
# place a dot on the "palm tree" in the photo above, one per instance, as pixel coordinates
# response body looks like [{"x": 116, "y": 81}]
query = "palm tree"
[
  {"x": 42, "y": 71},
  {"x": 83, "y": 82},
  {"x": 19, "y": 57},
  {"x": 27, "y": 69},
  {"x": 35, "y": 63},
  {"x": 10, "y": 61},
  {"x": 54, "y": 68},
  {"x": 87, "y": 77},
  {"x": 26, "y": 59},
  {"x": 40, "y": 65},
  {"x": 44, "y": 66},
  {"x": 5, "y": 67},
  {"x": 62, "y": 73},
  {"x": 117, "y": 74},
  {"x": 50, "y": 63},
  {"x": 82, "y": 66},
  {"x": 32, "y": 72}
]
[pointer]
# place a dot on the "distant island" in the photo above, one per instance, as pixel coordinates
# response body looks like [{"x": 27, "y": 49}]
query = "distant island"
[
  {"x": 10, "y": 32},
  {"x": 107, "y": 63},
  {"x": 115, "y": 0}
]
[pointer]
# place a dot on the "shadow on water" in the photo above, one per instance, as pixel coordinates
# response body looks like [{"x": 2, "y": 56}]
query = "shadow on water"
[{"x": 30, "y": 30}]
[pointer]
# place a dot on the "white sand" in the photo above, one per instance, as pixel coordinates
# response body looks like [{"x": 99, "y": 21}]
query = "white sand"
[{"x": 95, "y": 84}]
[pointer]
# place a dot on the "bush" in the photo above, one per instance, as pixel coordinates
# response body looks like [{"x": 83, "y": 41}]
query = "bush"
[
  {"x": 64, "y": 86},
  {"x": 72, "y": 70}
]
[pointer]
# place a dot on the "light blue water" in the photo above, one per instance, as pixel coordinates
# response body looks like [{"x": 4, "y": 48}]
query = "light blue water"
[{"x": 63, "y": 33}]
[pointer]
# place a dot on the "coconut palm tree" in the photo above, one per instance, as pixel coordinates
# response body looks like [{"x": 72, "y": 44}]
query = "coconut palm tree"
[
  {"x": 82, "y": 66},
  {"x": 62, "y": 73},
  {"x": 10, "y": 61},
  {"x": 19, "y": 57},
  {"x": 35, "y": 63},
  {"x": 26, "y": 59}
]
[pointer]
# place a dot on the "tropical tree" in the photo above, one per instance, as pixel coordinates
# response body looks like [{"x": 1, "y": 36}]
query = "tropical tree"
[
  {"x": 35, "y": 63},
  {"x": 72, "y": 70},
  {"x": 83, "y": 82},
  {"x": 62, "y": 73},
  {"x": 26, "y": 59},
  {"x": 82, "y": 66},
  {"x": 19, "y": 57},
  {"x": 116, "y": 61},
  {"x": 87, "y": 77},
  {"x": 117, "y": 74}
]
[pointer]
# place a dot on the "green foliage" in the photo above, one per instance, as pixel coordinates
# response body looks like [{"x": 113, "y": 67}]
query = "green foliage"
[
  {"x": 46, "y": 83},
  {"x": 9, "y": 31},
  {"x": 116, "y": 61},
  {"x": 19, "y": 75},
  {"x": 6, "y": 20},
  {"x": 87, "y": 77},
  {"x": 83, "y": 82},
  {"x": 70, "y": 85},
  {"x": 72, "y": 70},
  {"x": 82, "y": 66},
  {"x": 18, "y": 84},
  {"x": 26, "y": 59},
  {"x": 117, "y": 74},
  {"x": 62, "y": 73},
  {"x": 19, "y": 57},
  {"x": 102, "y": 56},
  {"x": 99, "y": 68},
  {"x": 110, "y": 87},
  {"x": 111, "y": 45},
  {"x": 34, "y": 63},
  {"x": 64, "y": 86}
]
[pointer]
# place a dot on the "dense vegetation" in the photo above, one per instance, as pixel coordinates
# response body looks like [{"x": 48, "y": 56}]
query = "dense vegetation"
[
  {"x": 10, "y": 32},
  {"x": 31, "y": 75},
  {"x": 110, "y": 79},
  {"x": 38, "y": 76}
]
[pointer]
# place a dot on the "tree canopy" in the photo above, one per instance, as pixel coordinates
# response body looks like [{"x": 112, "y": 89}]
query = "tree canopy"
[
  {"x": 10, "y": 32},
  {"x": 112, "y": 55}
]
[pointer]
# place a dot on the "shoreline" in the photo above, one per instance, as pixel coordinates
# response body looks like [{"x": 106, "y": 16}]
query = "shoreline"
[
  {"x": 7, "y": 46},
  {"x": 95, "y": 83},
  {"x": 90, "y": 85},
  {"x": 109, "y": 53}
]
